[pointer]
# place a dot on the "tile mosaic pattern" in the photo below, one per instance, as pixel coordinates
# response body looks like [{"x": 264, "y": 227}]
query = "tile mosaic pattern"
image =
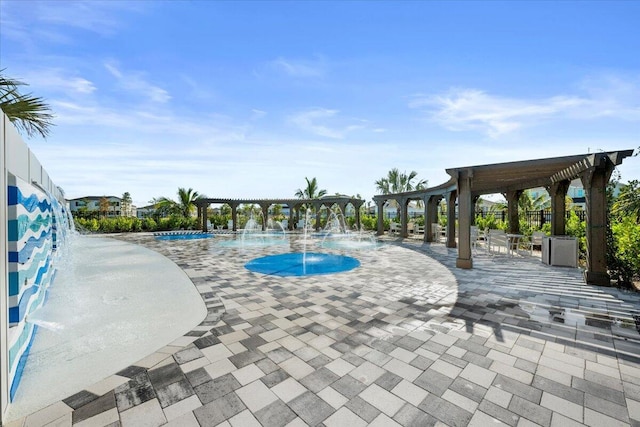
[
  {"x": 31, "y": 239},
  {"x": 406, "y": 339}
]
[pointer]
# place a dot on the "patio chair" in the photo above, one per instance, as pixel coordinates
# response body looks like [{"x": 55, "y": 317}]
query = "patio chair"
[
  {"x": 474, "y": 236},
  {"x": 411, "y": 227},
  {"x": 536, "y": 240},
  {"x": 438, "y": 232},
  {"x": 497, "y": 239},
  {"x": 394, "y": 228}
]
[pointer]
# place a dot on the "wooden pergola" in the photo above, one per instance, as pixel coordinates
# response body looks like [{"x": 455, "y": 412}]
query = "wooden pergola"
[
  {"x": 511, "y": 179},
  {"x": 293, "y": 204}
]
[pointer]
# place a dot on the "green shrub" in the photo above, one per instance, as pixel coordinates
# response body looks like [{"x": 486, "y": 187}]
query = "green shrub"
[
  {"x": 489, "y": 222},
  {"x": 149, "y": 224},
  {"x": 369, "y": 222},
  {"x": 626, "y": 236},
  {"x": 576, "y": 228}
]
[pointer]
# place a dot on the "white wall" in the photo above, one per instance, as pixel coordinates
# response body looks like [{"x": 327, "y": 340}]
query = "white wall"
[{"x": 17, "y": 159}]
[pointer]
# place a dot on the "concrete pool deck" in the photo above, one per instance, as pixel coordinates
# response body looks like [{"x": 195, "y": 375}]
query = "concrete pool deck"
[{"x": 405, "y": 339}]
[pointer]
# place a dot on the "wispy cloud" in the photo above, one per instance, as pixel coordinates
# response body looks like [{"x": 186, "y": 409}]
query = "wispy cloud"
[
  {"x": 301, "y": 68},
  {"x": 257, "y": 114},
  {"x": 94, "y": 16},
  {"x": 464, "y": 109},
  {"x": 34, "y": 22},
  {"x": 58, "y": 80},
  {"x": 473, "y": 109},
  {"x": 136, "y": 82},
  {"x": 325, "y": 122}
]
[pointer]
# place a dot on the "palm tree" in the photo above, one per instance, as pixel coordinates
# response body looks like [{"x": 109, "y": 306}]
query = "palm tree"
[
  {"x": 186, "y": 201},
  {"x": 183, "y": 207},
  {"x": 27, "y": 112},
  {"x": 311, "y": 191},
  {"x": 396, "y": 182}
]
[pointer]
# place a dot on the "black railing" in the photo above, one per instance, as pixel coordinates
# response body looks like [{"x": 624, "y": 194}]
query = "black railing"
[{"x": 535, "y": 219}]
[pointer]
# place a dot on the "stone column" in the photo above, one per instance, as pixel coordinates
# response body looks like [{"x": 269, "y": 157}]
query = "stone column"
[
  {"x": 343, "y": 209},
  {"x": 404, "y": 211},
  {"x": 595, "y": 182},
  {"x": 512, "y": 210},
  {"x": 558, "y": 192},
  {"x": 451, "y": 219},
  {"x": 317, "y": 207},
  {"x": 465, "y": 209},
  {"x": 430, "y": 217},
  {"x": 234, "y": 215},
  {"x": 290, "y": 225},
  {"x": 265, "y": 215},
  {"x": 380, "y": 205},
  {"x": 202, "y": 213},
  {"x": 357, "y": 207}
]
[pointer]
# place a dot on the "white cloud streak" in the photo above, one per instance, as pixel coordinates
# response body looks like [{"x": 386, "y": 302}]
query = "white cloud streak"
[
  {"x": 463, "y": 109},
  {"x": 135, "y": 82},
  {"x": 325, "y": 122},
  {"x": 300, "y": 68}
]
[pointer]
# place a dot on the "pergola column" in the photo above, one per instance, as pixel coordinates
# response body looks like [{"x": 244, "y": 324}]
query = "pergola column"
[
  {"x": 317, "y": 207},
  {"x": 202, "y": 213},
  {"x": 265, "y": 215},
  {"x": 380, "y": 205},
  {"x": 451, "y": 219},
  {"x": 430, "y": 217},
  {"x": 343, "y": 208},
  {"x": 357, "y": 208},
  {"x": 404, "y": 204},
  {"x": 595, "y": 182},
  {"x": 465, "y": 209},
  {"x": 290, "y": 224},
  {"x": 234, "y": 215},
  {"x": 512, "y": 210},
  {"x": 558, "y": 192}
]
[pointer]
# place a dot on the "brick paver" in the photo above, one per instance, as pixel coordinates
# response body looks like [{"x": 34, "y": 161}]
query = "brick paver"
[{"x": 404, "y": 339}]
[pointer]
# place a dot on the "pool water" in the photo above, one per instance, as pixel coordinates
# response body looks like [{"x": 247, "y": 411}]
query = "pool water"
[{"x": 302, "y": 264}]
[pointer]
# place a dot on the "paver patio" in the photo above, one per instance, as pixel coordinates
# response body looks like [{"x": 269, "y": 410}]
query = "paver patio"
[{"x": 405, "y": 339}]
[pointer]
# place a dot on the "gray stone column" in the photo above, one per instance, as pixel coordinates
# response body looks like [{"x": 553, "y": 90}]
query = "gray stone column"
[
  {"x": 465, "y": 209},
  {"x": 404, "y": 203},
  {"x": 512, "y": 210},
  {"x": 595, "y": 182},
  {"x": 380, "y": 205},
  {"x": 290, "y": 224},
  {"x": 202, "y": 214},
  {"x": 234, "y": 216},
  {"x": 558, "y": 191},
  {"x": 431, "y": 217},
  {"x": 265, "y": 215},
  {"x": 317, "y": 207},
  {"x": 451, "y": 219}
]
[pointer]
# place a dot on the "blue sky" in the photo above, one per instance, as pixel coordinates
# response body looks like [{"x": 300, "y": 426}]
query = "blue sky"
[{"x": 246, "y": 99}]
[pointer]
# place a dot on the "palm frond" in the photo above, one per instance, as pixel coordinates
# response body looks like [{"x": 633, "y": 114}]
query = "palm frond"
[{"x": 28, "y": 113}]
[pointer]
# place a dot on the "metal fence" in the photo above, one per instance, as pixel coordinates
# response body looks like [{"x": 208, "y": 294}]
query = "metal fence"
[{"x": 534, "y": 219}]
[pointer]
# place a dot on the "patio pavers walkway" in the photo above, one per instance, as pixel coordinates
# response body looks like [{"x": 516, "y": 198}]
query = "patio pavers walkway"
[{"x": 406, "y": 339}]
